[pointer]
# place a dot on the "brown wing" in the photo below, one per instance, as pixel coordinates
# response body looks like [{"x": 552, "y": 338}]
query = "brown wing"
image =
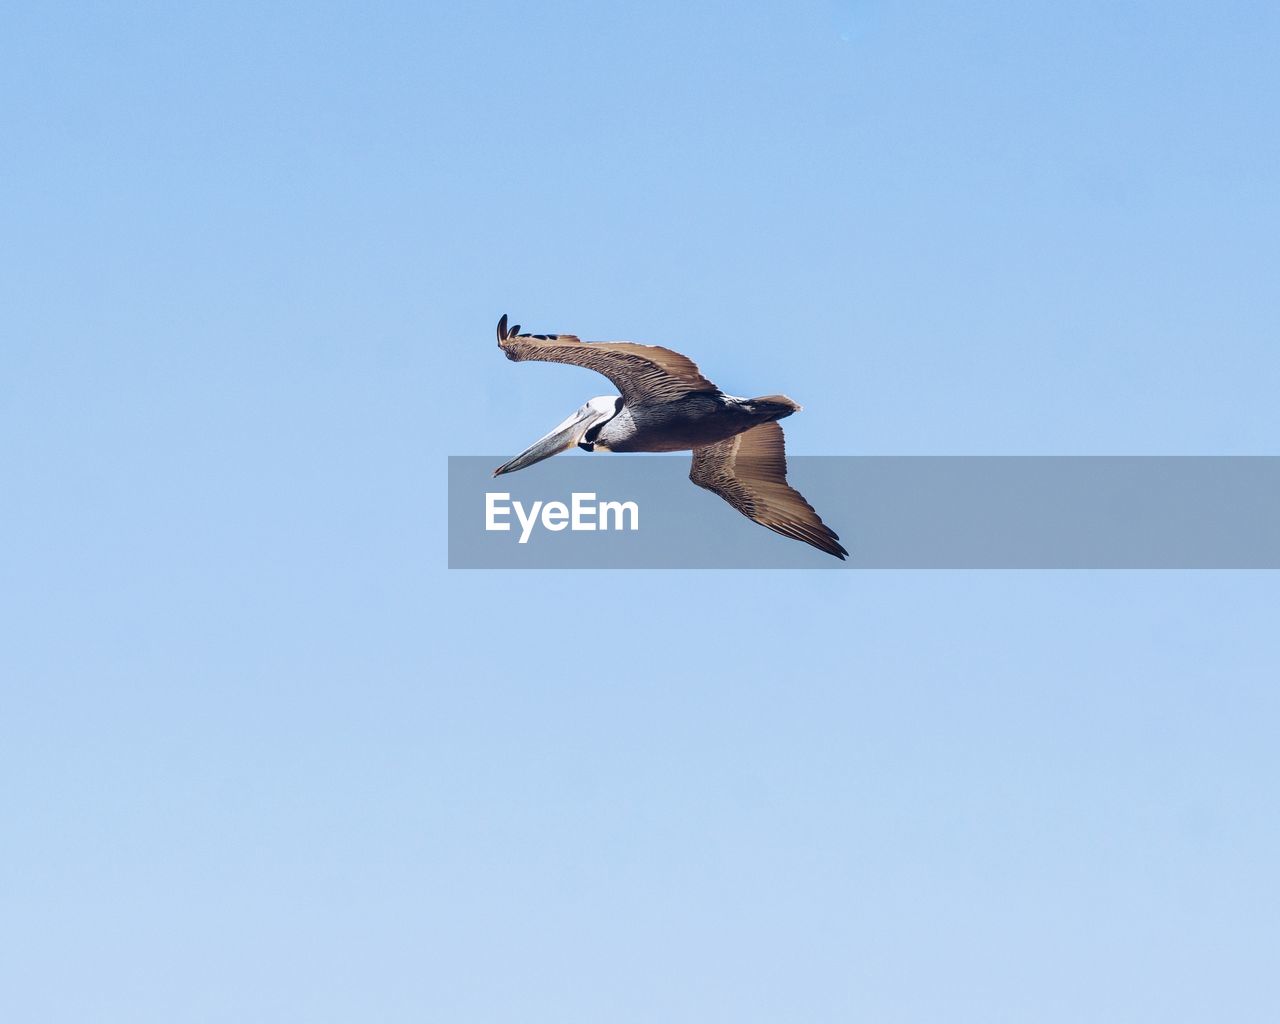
[
  {"x": 644, "y": 374},
  {"x": 749, "y": 471}
]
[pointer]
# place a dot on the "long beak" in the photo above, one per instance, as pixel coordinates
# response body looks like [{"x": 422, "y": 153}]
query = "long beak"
[{"x": 564, "y": 437}]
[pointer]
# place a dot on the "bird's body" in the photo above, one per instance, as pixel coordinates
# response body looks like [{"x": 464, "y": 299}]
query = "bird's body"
[
  {"x": 667, "y": 405},
  {"x": 690, "y": 422}
]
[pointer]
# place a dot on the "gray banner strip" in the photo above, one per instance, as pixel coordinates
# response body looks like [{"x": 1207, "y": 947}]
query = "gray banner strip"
[{"x": 1119, "y": 512}]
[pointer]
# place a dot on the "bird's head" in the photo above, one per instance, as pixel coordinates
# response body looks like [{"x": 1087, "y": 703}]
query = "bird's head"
[{"x": 581, "y": 428}]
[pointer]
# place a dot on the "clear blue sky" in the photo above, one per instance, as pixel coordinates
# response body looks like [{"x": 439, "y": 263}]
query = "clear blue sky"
[{"x": 262, "y": 758}]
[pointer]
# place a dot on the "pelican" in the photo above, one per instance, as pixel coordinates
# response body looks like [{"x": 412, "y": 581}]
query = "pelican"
[{"x": 667, "y": 405}]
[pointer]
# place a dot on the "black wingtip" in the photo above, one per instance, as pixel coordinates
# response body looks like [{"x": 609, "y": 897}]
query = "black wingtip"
[{"x": 502, "y": 328}]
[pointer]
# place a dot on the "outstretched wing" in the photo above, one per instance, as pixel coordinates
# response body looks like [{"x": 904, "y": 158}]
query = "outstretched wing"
[
  {"x": 749, "y": 470},
  {"x": 644, "y": 374}
]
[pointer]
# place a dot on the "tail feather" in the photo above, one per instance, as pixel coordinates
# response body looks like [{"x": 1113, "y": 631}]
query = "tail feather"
[{"x": 778, "y": 405}]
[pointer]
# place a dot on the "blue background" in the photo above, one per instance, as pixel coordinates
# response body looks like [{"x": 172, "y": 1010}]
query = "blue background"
[{"x": 263, "y": 758}]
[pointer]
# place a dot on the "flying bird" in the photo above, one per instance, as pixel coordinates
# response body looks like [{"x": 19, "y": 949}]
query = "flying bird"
[{"x": 666, "y": 405}]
